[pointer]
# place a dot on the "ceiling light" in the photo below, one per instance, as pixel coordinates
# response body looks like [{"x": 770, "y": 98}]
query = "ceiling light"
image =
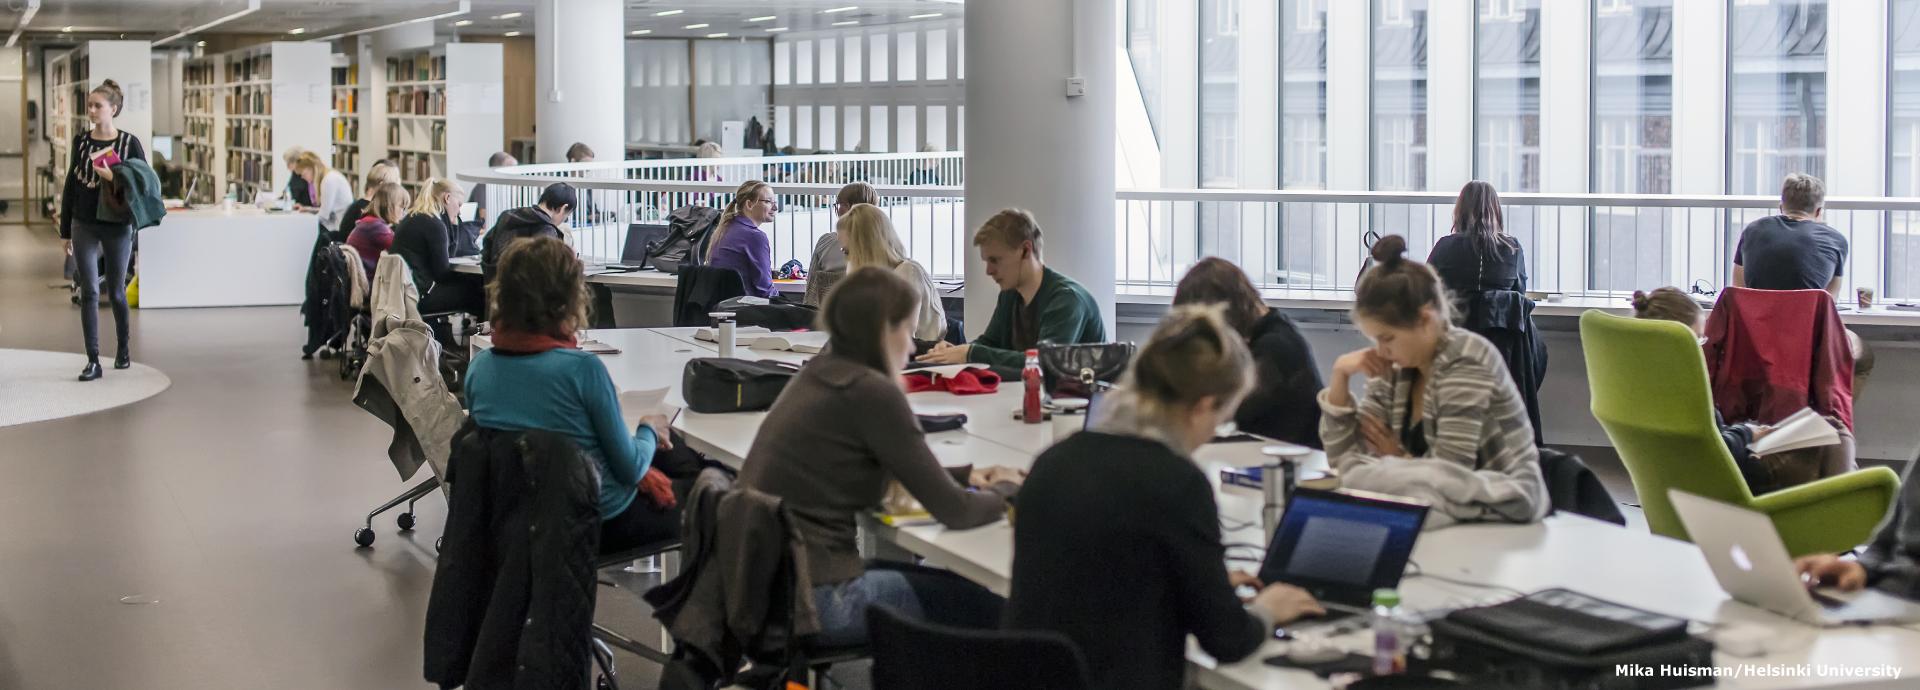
[
  {"x": 698, "y": 26},
  {"x": 464, "y": 22},
  {"x": 838, "y": 10},
  {"x": 464, "y": 7},
  {"x": 850, "y": 22},
  {"x": 200, "y": 44},
  {"x": 642, "y": 32},
  {"x": 928, "y": 15},
  {"x": 667, "y": 13},
  {"x": 511, "y": 34},
  {"x": 776, "y": 29},
  {"x": 760, "y": 19},
  {"x": 509, "y": 15},
  {"x": 66, "y": 29},
  {"x": 722, "y": 34},
  {"x": 298, "y": 31}
]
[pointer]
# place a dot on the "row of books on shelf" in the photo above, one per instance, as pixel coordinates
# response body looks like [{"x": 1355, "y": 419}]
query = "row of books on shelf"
[
  {"x": 417, "y": 68},
  {"x": 346, "y": 129},
  {"x": 199, "y": 102},
  {"x": 250, "y": 135},
  {"x": 258, "y": 67},
  {"x": 436, "y": 138},
  {"x": 346, "y": 102},
  {"x": 203, "y": 74},
  {"x": 243, "y": 167},
  {"x": 77, "y": 97},
  {"x": 347, "y": 160},
  {"x": 249, "y": 100},
  {"x": 413, "y": 167},
  {"x": 409, "y": 101},
  {"x": 78, "y": 72},
  {"x": 199, "y": 157},
  {"x": 200, "y": 128},
  {"x": 346, "y": 76}
]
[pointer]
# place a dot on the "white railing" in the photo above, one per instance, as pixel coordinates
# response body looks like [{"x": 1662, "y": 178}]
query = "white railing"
[{"x": 1302, "y": 241}]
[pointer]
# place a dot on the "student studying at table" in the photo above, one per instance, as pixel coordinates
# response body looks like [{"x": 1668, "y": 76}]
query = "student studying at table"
[
  {"x": 536, "y": 377},
  {"x": 1037, "y": 304},
  {"x": 1281, "y": 405},
  {"x": 1439, "y": 418},
  {"x": 1117, "y": 543},
  {"x": 836, "y": 437}
]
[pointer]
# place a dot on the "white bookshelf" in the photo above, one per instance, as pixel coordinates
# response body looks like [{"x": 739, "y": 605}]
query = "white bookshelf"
[
  {"x": 275, "y": 96},
  {"x": 71, "y": 75},
  {"x": 203, "y": 107},
  {"x": 349, "y": 106},
  {"x": 444, "y": 110}
]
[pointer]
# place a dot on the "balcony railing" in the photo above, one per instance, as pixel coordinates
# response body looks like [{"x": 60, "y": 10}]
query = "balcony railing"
[{"x": 1299, "y": 242}]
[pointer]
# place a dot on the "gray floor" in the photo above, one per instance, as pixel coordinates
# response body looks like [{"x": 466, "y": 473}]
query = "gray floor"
[{"x": 229, "y": 499}]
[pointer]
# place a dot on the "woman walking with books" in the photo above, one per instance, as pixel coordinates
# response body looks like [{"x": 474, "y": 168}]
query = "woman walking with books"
[{"x": 88, "y": 238}]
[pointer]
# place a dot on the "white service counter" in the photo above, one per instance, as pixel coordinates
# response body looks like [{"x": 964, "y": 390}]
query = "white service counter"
[{"x": 210, "y": 257}]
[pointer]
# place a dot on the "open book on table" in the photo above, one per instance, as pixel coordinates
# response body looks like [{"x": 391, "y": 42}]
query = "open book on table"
[
  {"x": 809, "y": 342},
  {"x": 741, "y": 334},
  {"x": 1803, "y": 429}
]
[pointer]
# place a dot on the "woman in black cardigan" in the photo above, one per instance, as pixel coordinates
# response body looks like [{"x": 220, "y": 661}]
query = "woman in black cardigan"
[
  {"x": 1116, "y": 541},
  {"x": 1281, "y": 405},
  {"x": 1485, "y": 269},
  {"x": 425, "y": 239}
]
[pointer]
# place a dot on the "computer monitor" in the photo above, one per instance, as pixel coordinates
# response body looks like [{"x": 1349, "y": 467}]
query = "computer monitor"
[
  {"x": 640, "y": 237},
  {"x": 1342, "y": 545}
]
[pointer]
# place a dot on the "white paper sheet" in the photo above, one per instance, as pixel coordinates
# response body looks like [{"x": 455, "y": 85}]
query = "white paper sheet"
[{"x": 639, "y": 403}]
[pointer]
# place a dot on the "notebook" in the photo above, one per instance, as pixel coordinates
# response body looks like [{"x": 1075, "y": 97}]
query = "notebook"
[
  {"x": 104, "y": 158},
  {"x": 1803, "y": 429}
]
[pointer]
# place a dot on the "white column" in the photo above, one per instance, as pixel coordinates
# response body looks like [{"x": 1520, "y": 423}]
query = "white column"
[
  {"x": 1031, "y": 146},
  {"x": 1700, "y": 127},
  {"x": 1857, "y": 129},
  {"x": 1450, "y": 68},
  {"x": 579, "y": 51},
  {"x": 1566, "y": 73}
]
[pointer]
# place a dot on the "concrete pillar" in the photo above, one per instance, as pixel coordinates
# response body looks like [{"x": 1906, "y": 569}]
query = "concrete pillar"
[
  {"x": 1031, "y": 146},
  {"x": 579, "y": 79}
]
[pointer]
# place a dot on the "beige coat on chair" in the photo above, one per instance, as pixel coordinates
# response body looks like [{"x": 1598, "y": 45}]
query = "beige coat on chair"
[
  {"x": 393, "y": 291},
  {"x": 401, "y": 385}
]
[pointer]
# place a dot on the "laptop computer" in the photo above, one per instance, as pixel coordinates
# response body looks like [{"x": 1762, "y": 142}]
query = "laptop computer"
[
  {"x": 1342, "y": 545},
  {"x": 641, "y": 236},
  {"x": 1752, "y": 565}
]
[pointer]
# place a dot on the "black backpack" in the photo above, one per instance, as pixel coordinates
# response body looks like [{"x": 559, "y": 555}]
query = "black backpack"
[
  {"x": 689, "y": 228},
  {"x": 717, "y": 385}
]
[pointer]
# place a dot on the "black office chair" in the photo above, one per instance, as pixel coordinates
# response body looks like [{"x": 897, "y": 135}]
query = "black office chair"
[
  {"x": 604, "y": 636},
  {"x": 914, "y": 655},
  {"x": 699, "y": 289}
]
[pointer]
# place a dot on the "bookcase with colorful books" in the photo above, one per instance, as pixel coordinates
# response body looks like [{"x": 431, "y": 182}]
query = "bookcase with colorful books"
[
  {"x": 347, "y": 96},
  {"x": 204, "y": 107},
  {"x": 275, "y": 96},
  {"x": 71, "y": 75},
  {"x": 443, "y": 110}
]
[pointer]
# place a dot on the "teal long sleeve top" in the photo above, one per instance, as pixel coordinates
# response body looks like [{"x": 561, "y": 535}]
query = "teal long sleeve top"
[{"x": 565, "y": 392}]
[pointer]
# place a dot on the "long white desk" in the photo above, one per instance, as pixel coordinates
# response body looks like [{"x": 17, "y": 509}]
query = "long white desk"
[
  {"x": 1619, "y": 564},
  {"x": 226, "y": 258},
  {"x": 649, "y": 280}
]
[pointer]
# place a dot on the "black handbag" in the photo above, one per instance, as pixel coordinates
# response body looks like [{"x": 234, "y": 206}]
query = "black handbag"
[
  {"x": 718, "y": 384},
  {"x": 1071, "y": 370}
]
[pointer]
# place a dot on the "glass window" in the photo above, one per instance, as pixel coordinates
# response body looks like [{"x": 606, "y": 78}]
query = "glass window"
[
  {"x": 853, "y": 140},
  {"x": 1777, "y": 118},
  {"x": 803, "y": 133},
  {"x": 1400, "y": 95},
  {"x": 782, "y": 63},
  {"x": 803, "y": 62},
  {"x": 877, "y": 57},
  {"x": 783, "y": 125},
  {"x": 877, "y": 138},
  {"x": 937, "y": 127},
  {"x": 854, "y": 54},
  {"x": 908, "y": 64},
  {"x": 829, "y": 128},
  {"x": 829, "y": 61},
  {"x": 937, "y": 54},
  {"x": 909, "y": 129},
  {"x": 1303, "y": 96},
  {"x": 1630, "y": 248},
  {"x": 1507, "y": 151},
  {"x": 1143, "y": 51},
  {"x": 1219, "y": 91},
  {"x": 1903, "y": 175}
]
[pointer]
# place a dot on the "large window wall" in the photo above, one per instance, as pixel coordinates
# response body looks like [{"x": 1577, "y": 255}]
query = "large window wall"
[
  {"x": 890, "y": 89},
  {"x": 1400, "y": 95},
  {"x": 1777, "y": 92},
  {"x": 1903, "y": 154}
]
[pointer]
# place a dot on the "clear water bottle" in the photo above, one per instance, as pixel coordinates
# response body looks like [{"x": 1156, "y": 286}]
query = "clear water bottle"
[{"x": 1390, "y": 636}]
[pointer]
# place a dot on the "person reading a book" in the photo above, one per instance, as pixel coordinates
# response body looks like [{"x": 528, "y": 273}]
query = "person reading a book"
[
  {"x": 536, "y": 377},
  {"x": 88, "y": 239},
  {"x": 1118, "y": 544},
  {"x": 1037, "y": 304},
  {"x": 840, "y": 434},
  {"x": 1767, "y": 463}
]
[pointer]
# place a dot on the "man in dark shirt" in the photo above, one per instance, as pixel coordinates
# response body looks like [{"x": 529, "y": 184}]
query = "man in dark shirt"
[
  {"x": 1793, "y": 250},
  {"x": 1037, "y": 304}
]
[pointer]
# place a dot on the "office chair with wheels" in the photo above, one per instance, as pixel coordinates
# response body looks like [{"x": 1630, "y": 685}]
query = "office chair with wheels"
[
  {"x": 916, "y": 655},
  {"x": 604, "y": 636}
]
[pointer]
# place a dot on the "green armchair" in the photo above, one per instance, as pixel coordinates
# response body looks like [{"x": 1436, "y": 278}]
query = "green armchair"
[{"x": 1650, "y": 393}]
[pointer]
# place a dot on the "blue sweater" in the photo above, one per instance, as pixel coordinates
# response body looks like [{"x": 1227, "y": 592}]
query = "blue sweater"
[{"x": 566, "y": 392}]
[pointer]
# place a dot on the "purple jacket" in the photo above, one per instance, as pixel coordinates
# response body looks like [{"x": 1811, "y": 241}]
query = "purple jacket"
[
  {"x": 370, "y": 236},
  {"x": 745, "y": 250}
]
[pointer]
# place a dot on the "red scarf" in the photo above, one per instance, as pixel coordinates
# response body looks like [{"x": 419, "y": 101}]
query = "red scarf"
[{"x": 511, "y": 340}]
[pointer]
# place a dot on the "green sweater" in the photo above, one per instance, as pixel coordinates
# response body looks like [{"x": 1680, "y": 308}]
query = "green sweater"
[{"x": 1062, "y": 313}]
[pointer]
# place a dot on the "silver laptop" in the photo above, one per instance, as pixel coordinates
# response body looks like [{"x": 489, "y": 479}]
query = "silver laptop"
[{"x": 1751, "y": 563}]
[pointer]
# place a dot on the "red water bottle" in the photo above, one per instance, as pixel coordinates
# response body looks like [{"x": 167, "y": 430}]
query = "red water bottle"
[{"x": 1030, "y": 411}]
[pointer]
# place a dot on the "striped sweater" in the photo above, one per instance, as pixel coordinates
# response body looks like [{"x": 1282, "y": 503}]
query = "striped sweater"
[{"x": 1481, "y": 462}]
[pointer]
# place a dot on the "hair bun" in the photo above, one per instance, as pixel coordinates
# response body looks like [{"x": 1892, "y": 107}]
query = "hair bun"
[
  {"x": 1390, "y": 250},
  {"x": 1639, "y": 300},
  {"x": 109, "y": 83}
]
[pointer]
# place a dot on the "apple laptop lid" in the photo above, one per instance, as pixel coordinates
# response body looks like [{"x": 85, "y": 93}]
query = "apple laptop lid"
[{"x": 1753, "y": 566}]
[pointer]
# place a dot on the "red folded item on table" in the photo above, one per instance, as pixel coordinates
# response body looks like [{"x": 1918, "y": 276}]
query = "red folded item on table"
[{"x": 976, "y": 381}]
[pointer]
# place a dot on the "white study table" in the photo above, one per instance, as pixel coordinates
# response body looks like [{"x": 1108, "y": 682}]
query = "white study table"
[
  {"x": 1567, "y": 551},
  {"x": 649, "y": 280},
  {"x": 211, "y": 257}
]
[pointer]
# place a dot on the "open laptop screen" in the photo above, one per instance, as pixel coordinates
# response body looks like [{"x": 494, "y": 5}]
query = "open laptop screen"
[{"x": 1342, "y": 546}]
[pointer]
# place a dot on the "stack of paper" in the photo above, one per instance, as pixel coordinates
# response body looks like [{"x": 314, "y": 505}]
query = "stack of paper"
[
  {"x": 1803, "y": 429},
  {"x": 637, "y": 404}
]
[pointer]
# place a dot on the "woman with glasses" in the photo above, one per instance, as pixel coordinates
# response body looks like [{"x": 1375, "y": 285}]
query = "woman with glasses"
[{"x": 739, "y": 243}]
